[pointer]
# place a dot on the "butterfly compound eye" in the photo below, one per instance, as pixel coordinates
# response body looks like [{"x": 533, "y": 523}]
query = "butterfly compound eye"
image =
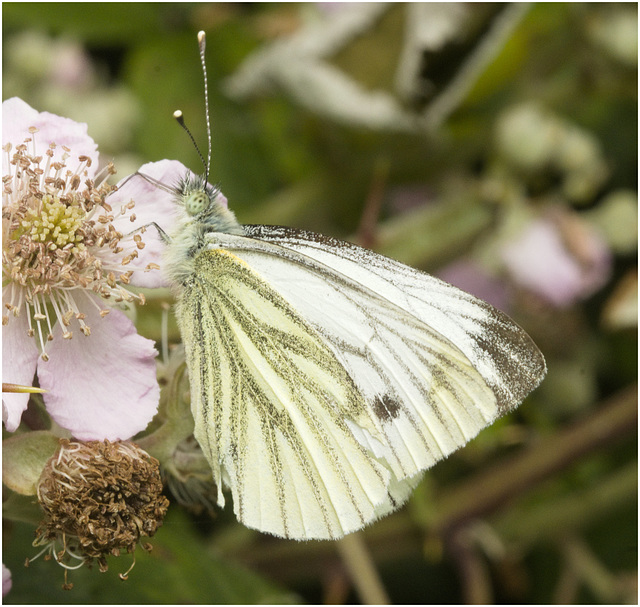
[{"x": 196, "y": 202}]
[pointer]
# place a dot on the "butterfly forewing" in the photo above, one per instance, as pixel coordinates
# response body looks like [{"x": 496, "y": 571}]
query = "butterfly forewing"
[
  {"x": 506, "y": 357},
  {"x": 423, "y": 393}
]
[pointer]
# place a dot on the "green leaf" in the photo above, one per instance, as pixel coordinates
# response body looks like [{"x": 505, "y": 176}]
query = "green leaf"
[{"x": 23, "y": 459}]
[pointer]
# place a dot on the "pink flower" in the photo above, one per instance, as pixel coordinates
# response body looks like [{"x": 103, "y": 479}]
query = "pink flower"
[
  {"x": 560, "y": 258},
  {"x": 68, "y": 255},
  {"x": 6, "y": 580}
]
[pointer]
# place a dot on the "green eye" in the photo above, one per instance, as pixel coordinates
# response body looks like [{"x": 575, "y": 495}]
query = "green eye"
[{"x": 196, "y": 202}]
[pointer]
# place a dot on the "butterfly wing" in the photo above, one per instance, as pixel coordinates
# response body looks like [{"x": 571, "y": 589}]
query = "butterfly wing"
[
  {"x": 270, "y": 412},
  {"x": 366, "y": 373},
  {"x": 497, "y": 347}
]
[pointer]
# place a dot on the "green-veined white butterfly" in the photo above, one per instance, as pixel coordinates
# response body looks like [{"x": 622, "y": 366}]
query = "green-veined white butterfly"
[{"x": 326, "y": 378}]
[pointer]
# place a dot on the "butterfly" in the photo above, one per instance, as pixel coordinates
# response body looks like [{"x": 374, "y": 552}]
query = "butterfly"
[{"x": 326, "y": 378}]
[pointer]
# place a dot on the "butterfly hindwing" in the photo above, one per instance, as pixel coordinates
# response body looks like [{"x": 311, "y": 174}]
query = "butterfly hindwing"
[{"x": 272, "y": 411}]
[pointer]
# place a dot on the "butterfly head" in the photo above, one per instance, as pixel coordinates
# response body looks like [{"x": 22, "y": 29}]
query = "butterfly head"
[
  {"x": 196, "y": 202},
  {"x": 206, "y": 205},
  {"x": 198, "y": 197}
]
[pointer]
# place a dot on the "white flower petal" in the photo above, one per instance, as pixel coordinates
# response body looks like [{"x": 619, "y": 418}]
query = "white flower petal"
[
  {"x": 103, "y": 386},
  {"x": 19, "y": 359},
  {"x": 18, "y": 116}
]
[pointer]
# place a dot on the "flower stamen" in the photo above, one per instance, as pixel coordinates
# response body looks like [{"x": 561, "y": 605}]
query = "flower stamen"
[{"x": 59, "y": 240}]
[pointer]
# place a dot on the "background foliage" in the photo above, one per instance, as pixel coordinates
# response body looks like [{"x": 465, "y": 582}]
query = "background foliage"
[{"x": 542, "y": 506}]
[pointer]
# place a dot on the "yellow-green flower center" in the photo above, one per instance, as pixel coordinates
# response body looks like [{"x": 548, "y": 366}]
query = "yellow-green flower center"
[
  {"x": 57, "y": 224},
  {"x": 59, "y": 240}
]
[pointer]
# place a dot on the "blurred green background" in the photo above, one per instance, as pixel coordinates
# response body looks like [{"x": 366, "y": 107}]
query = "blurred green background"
[{"x": 538, "y": 128}]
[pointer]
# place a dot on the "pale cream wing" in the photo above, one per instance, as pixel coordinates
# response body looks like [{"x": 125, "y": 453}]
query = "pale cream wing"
[
  {"x": 435, "y": 365},
  {"x": 273, "y": 408}
]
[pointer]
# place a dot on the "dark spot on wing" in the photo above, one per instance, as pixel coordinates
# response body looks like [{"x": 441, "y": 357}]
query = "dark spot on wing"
[
  {"x": 521, "y": 365},
  {"x": 386, "y": 407}
]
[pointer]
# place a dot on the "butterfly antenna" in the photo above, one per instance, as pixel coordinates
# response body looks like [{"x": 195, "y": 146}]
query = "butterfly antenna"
[
  {"x": 180, "y": 118},
  {"x": 202, "y": 45}
]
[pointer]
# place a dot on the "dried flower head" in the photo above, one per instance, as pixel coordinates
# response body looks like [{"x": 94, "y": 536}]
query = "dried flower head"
[{"x": 99, "y": 498}]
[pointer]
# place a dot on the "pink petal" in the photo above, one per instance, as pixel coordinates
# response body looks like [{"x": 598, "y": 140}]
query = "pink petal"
[
  {"x": 72, "y": 68},
  {"x": 102, "y": 386},
  {"x": 152, "y": 202},
  {"x": 6, "y": 580},
  {"x": 152, "y": 205},
  {"x": 540, "y": 261},
  {"x": 19, "y": 359},
  {"x": 18, "y": 116}
]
